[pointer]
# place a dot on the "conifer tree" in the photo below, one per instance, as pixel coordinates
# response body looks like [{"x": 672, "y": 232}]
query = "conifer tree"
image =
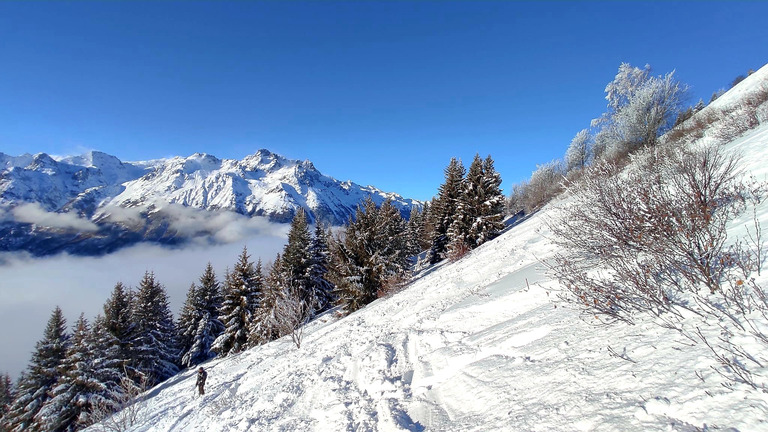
[
  {"x": 119, "y": 327},
  {"x": 78, "y": 386},
  {"x": 6, "y": 398},
  {"x": 427, "y": 227},
  {"x": 320, "y": 288},
  {"x": 356, "y": 276},
  {"x": 108, "y": 362},
  {"x": 444, "y": 208},
  {"x": 392, "y": 245},
  {"x": 242, "y": 296},
  {"x": 492, "y": 211},
  {"x": 462, "y": 233},
  {"x": 35, "y": 385},
  {"x": 295, "y": 260},
  {"x": 373, "y": 253},
  {"x": 199, "y": 323},
  {"x": 187, "y": 323},
  {"x": 154, "y": 337},
  {"x": 264, "y": 327}
]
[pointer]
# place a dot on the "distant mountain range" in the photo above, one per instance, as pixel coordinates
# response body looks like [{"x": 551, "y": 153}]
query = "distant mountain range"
[{"x": 95, "y": 203}]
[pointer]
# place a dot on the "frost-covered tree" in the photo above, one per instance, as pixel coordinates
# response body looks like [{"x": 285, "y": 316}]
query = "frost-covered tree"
[
  {"x": 545, "y": 183},
  {"x": 242, "y": 295},
  {"x": 154, "y": 334},
  {"x": 199, "y": 323},
  {"x": 641, "y": 107},
  {"x": 36, "y": 384},
  {"x": 320, "y": 288},
  {"x": 579, "y": 151},
  {"x": 444, "y": 208}
]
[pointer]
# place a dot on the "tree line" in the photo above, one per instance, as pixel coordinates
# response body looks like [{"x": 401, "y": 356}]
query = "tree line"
[{"x": 79, "y": 377}]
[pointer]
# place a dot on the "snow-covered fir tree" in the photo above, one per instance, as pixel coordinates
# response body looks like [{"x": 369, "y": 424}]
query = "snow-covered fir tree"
[
  {"x": 462, "y": 231},
  {"x": 491, "y": 220},
  {"x": 444, "y": 208},
  {"x": 353, "y": 273},
  {"x": 295, "y": 260},
  {"x": 242, "y": 295},
  {"x": 6, "y": 398},
  {"x": 199, "y": 324},
  {"x": 120, "y": 330},
  {"x": 372, "y": 254},
  {"x": 109, "y": 365},
  {"x": 154, "y": 335},
  {"x": 78, "y": 386},
  {"x": 264, "y": 326},
  {"x": 320, "y": 288},
  {"x": 186, "y": 323},
  {"x": 38, "y": 381},
  {"x": 418, "y": 236},
  {"x": 394, "y": 249}
]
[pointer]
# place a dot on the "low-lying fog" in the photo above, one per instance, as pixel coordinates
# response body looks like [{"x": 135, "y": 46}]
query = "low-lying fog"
[{"x": 30, "y": 288}]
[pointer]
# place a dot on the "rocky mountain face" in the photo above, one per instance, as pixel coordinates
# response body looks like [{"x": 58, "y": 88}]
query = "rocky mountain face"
[{"x": 95, "y": 203}]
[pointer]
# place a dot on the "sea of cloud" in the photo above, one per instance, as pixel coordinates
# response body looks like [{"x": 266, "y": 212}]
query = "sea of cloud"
[{"x": 31, "y": 287}]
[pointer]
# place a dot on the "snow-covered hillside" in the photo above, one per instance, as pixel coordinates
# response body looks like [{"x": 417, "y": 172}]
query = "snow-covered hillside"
[
  {"x": 94, "y": 203},
  {"x": 478, "y": 345}
]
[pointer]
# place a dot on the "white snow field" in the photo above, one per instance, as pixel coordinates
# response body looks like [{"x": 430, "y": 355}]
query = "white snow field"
[{"x": 482, "y": 344}]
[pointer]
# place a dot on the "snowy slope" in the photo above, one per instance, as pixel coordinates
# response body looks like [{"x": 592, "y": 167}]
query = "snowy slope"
[{"x": 478, "y": 345}]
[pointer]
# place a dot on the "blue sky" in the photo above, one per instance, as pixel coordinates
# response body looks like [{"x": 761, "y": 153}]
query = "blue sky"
[{"x": 381, "y": 93}]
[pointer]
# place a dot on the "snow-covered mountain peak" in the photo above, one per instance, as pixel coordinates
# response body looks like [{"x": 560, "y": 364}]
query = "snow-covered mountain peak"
[
  {"x": 9, "y": 162},
  {"x": 262, "y": 184},
  {"x": 267, "y": 161},
  {"x": 92, "y": 159},
  {"x": 44, "y": 163}
]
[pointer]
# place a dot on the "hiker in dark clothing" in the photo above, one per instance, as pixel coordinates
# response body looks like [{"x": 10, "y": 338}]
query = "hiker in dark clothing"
[{"x": 201, "y": 376}]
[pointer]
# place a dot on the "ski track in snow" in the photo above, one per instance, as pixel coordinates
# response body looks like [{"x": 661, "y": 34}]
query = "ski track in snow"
[{"x": 478, "y": 345}]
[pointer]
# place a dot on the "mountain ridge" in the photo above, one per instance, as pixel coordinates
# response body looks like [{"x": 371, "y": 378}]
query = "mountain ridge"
[{"x": 97, "y": 187}]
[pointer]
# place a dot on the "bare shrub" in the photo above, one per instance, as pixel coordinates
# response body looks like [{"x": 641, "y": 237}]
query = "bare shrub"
[
  {"x": 652, "y": 239},
  {"x": 691, "y": 129},
  {"x": 735, "y": 122},
  {"x": 457, "y": 250},
  {"x": 291, "y": 314},
  {"x": 392, "y": 285},
  {"x": 123, "y": 410}
]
